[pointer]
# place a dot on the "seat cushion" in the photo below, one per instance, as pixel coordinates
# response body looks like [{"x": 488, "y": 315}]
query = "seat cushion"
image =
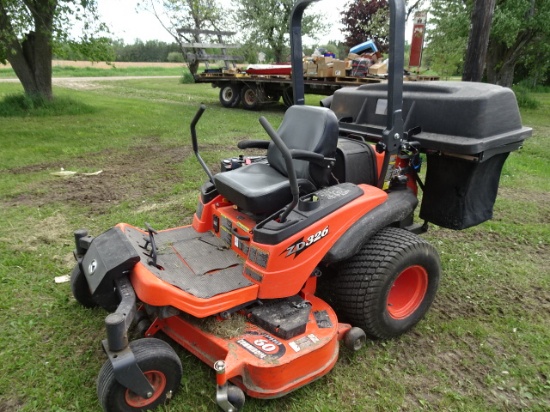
[
  {"x": 257, "y": 188},
  {"x": 309, "y": 128}
]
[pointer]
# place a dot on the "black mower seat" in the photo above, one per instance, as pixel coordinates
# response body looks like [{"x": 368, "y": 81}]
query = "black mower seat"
[{"x": 264, "y": 188}]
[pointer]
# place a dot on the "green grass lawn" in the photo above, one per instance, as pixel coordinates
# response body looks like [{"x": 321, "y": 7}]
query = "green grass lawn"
[
  {"x": 72, "y": 71},
  {"x": 483, "y": 346}
]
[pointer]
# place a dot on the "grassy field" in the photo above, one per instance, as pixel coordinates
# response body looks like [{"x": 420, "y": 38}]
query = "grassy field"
[
  {"x": 66, "y": 68},
  {"x": 482, "y": 347}
]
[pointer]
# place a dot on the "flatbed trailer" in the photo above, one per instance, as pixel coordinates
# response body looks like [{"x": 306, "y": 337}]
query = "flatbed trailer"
[{"x": 254, "y": 91}]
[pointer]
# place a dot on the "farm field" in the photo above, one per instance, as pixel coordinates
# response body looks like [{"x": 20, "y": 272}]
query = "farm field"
[
  {"x": 482, "y": 347},
  {"x": 69, "y": 68}
]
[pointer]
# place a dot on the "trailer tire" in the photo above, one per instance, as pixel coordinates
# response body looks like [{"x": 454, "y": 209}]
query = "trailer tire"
[
  {"x": 230, "y": 95},
  {"x": 288, "y": 97},
  {"x": 389, "y": 285},
  {"x": 160, "y": 364},
  {"x": 251, "y": 97}
]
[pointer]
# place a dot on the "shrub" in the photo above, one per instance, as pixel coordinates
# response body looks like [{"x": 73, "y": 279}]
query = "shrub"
[
  {"x": 21, "y": 105},
  {"x": 187, "y": 77},
  {"x": 175, "y": 57},
  {"x": 525, "y": 98}
]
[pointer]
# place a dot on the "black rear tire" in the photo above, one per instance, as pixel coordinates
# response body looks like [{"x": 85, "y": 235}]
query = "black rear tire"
[
  {"x": 160, "y": 364},
  {"x": 389, "y": 285},
  {"x": 80, "y": 288},
  {"x": 230, "y": 95}
]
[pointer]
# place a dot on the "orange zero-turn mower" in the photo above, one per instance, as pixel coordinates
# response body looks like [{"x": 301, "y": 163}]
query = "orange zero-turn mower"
[{"x": 328, "y": 211}]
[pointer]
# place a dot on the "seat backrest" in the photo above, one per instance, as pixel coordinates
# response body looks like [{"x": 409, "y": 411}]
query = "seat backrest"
[{"x": 307, "y": 128}]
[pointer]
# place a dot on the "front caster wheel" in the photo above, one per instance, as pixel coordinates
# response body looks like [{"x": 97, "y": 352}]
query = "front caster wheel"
[
  {"x": 236, "y": 397},
  {"x": 160, "y": 365},
  {"x": 355, "y": 339}
]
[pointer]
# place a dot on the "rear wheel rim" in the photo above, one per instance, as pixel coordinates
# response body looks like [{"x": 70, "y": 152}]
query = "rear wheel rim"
[
  {"x": 250, "y": 97},
  {"x": 228, "y": 94},
  {"x": 158, "y": 382},
  {"x": 407, "y": 292}
]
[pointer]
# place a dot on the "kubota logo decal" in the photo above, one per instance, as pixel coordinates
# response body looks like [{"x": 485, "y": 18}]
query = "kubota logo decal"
[{"x": 302, "y": 244}]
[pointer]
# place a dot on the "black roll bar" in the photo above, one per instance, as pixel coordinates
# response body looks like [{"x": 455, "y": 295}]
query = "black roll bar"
[
  {"x": 393, "y": 134},
  {"x": 296, "y": 50}
]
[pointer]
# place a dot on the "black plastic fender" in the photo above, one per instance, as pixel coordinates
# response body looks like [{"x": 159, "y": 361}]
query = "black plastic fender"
[
  {"x": 109, "y": 256},
  {"x": 398, "y": 207}
]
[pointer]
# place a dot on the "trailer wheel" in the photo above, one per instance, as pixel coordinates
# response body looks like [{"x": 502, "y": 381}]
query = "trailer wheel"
[
  {"x": 288, "y": 97},
  {"x": 160, "y": 365},
  {"x": 80, "y": 288},
  {"x": 389, "y": 285},
  {"x": 250, "y": 98},
  {"x": 230, "y": 95}
]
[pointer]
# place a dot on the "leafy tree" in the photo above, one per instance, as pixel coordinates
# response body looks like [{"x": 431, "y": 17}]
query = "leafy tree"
[
  {"x": 30, "y": 30},
  {"x": 519, "y": 36},
  {"x": 366, "y": 19},
  {"x": 149, "y": 51},
  {"x": 520, "y": 27},
  {"x": 265, "y": 22},
  {"x": 534, "y": 68},
  {"x": 194, "y": 15},
  {"x": 369, "y": 19},
  {"x": 447, "y": 36}
]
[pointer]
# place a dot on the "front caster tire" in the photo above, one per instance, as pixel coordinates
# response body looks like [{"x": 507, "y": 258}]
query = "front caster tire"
[
  {"x": 236, "y": 397},
  {"x": 355, "y": 339},
  {"x": 160, "y": 364},
  {"x": 80, "y": 288},
  {"x": 389, "y": 285}
]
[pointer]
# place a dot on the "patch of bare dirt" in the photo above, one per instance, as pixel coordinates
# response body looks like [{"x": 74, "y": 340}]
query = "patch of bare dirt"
[{"x": 138, "y": 172}]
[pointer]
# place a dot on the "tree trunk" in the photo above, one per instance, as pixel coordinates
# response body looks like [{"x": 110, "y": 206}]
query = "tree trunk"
[
  {"x": 32, "y": 63},
  {"x": 31, "y": 58},
  {"x": 482, "y": 16},
  {"x": 502, "y": 60},
  {"x": 501, "y": 65}
]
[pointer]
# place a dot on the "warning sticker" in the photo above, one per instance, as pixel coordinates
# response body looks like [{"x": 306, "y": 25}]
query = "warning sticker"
[{"x": 304, "y": 342}]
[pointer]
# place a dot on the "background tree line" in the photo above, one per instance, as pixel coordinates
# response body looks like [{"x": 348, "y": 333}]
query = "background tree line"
[{"x": 159, "y": 51}]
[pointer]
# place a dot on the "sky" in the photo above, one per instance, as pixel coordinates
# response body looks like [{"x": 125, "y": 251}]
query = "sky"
[{"x": 128, "y": 25}]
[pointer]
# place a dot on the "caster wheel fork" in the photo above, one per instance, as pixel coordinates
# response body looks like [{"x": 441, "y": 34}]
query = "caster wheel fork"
[{"x": 229, "y": 398}]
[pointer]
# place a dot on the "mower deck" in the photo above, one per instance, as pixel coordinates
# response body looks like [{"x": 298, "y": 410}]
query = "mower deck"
[{"x": 262, "y": 364}]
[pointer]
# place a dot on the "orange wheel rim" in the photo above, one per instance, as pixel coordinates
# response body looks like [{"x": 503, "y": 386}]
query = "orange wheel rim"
[
  {"x": 407, "y": 292},
  {"x": 157, "y": 381}
]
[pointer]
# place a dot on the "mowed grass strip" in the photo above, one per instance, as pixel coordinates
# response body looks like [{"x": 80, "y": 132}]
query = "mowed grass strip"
[{"x": 483, "y": 346}]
